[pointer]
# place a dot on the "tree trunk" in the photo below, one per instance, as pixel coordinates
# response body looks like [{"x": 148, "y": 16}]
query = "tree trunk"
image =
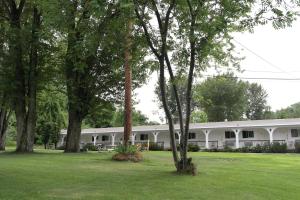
[
  {"x": 4, "y": 117},
  {"x": 162, "y": 85},
  {"x": 128, "y": 78},
  {"x": 73, "y": 132},
  {"x": 26, "y": 111}
]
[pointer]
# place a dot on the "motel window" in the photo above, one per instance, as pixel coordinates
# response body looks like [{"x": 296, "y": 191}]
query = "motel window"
[
  {"x": 144, "y": 137},
  {"x": 248, "y": 134},
  {"x": 229, "y": 134},
  {"x": 192, "y": 135},
  {"x": 295, "y": 132},
  {"x": 105, "y": 137}
]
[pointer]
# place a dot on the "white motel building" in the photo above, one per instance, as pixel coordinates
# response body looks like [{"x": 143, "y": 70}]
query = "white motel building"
[{"x": 235, "y": 134}]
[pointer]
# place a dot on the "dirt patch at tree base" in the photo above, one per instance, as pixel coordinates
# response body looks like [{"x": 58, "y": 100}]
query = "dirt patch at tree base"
[{"x": 135, "y": 157}]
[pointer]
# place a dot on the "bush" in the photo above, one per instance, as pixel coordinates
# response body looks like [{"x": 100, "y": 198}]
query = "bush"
[
  {"x": 193, "y": 148},
  {"x": 276, "y": 147},
  {"x": 89, "y": 147},
  {"x": 297, "y": 147},
  {"x": 131, "y": 149},
  {"x": 155, "y": 147}
]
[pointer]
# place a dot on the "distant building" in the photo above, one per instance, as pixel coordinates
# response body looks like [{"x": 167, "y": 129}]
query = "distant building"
[{"x": 234, "y": 134}]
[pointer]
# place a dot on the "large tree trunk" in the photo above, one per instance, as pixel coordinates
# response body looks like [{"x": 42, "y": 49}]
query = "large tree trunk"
[
  {"x": 127, "y": 110},
  {"x": 4, "y": 117},
  {"x": 26, "y": 111},
  {"x": 73, "y": 132}
]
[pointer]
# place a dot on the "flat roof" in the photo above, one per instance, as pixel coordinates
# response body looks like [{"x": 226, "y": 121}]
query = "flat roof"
[{"x": 292, "y": 122}]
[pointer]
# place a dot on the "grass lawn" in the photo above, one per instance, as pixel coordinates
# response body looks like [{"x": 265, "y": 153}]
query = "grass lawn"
[{"x": 55, "y": 175}]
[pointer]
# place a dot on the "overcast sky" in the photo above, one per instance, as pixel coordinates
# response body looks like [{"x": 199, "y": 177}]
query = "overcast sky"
[{"x": 269, "y": 53}]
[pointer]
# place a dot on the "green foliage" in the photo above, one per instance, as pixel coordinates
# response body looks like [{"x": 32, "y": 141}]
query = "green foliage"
[
  {"x": 222, "y": 97},
  {"x": 155, "y": 147},
  {"x": 292, "y": 111},
  {"x": 131, "y": 149},
  {"x": 89, "y": 147},
  {"x": 276, "y": 147},
  {"x": 193, "y": 148},
  {"x": 256, "y": 102},
  {"x": 138, "y": 118},
  {"x": 198, "y": 117},
  {"x": 51, "y": 113},
  {"x": 297, "y": 147}
]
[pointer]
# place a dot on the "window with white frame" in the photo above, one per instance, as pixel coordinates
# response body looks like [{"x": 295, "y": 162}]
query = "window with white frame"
[
  {"x": 229, "y": 134},
  {"x": 248, "y": 134},
  {"x": 295, "y": 132},
  {"x": 144, "y": 137},
  {"x": 192, "y": 135},
  {"x": 105, "y": 138}
]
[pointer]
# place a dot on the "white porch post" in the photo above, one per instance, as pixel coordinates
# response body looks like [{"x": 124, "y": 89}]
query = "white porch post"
[
  {"x": 155, "y": 134},
  {"x": 179, "y": 136},
  {"x": 95, "y": 139},
  {"x": 237, "y": 141},
  {"x": 62, "y": 140},
  {"x": 133, "y": 138},
  {"x": 113, "y": 139},
  {"x": 206, "y": 132},
  {"x": 271, "y": 131}
]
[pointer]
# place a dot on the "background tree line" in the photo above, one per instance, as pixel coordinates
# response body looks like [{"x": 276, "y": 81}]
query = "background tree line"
[{"x": 226, "y": 97}]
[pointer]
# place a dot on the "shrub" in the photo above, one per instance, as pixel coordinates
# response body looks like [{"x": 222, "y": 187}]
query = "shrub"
[
  {"x": 131, "y": 149},
  {"x": 155, "y": 147},
  {"x": 227, "y": 149},
  {"x": 193, "y": 148},
  {"x": 276, "y": 147},
  {"x": 297, "y": 147},
  {"x": 89, "y": 147}
]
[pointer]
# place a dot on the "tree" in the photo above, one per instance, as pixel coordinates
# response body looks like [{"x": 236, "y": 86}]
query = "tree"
[
  {"x": 51, "y": 116},
  {"x": 138, "y": 118},
  {"x": 197, "y": 32},
  {"x": 94, "y": 59},
  {"x": 24, "y": 20},
  {"x": 292, "y": 111},
  {"x": 101, "y": 116},
  {"x": 256, "y": 101},
  {"x": 128, "y": 83},
  {"x": 222, "y": 98}
]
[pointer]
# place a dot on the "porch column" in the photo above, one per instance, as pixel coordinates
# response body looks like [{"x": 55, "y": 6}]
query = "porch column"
[
  {"x": 271, "y": 131},
  {"x": 206, "y": 132},
  {"x": 179, "y": 136},
  {"x": 62, "y": 140},
  {"x": 155, "y": 134},
  {"x": 133, "y": 138},
  {"x": 113, "y": 139},
  {"x": 237, "y": 141},
  {"x": 95, "y": 139}
]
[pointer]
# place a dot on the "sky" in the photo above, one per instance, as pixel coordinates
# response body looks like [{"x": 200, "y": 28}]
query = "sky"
[{"x": 268, "y": 53}]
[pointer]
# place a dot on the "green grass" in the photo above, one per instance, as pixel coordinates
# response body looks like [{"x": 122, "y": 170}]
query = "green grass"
[{"x": 55, "y": 175}]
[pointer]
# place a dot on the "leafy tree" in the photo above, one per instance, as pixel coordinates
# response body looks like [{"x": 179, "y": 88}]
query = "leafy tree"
[
  {"x": 51, "y": 115},
  {"x": 222, "y": 98},
  {"x": 198, "y": 117},
  {"x": 256, "y": 101},
  {"x": 94, "y": 59},
  {"x": 194, "y": 33},
  {"x": 292, "y": 111},
  {"x": 101, "y": 116},
  {"x": 138, "y": 118}
]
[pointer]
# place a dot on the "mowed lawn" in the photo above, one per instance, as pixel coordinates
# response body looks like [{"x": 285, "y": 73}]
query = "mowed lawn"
[{"x": 93, "y": 175}]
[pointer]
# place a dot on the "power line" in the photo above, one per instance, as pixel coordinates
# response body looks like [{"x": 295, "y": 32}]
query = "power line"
[
  {"x": 254, "y": 71},
  {"x": 259, "y": 78},
  {"x": 262, "y": 58}
]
